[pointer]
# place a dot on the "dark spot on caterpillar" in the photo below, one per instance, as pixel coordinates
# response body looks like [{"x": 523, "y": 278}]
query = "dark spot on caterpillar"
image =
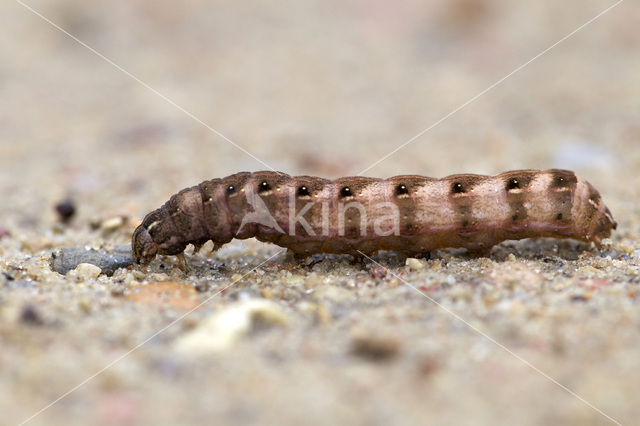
[
  {"x": 401, "y": 190},
  {"x": 559, "y": 216},
  {"x": 560, "y": 195},
  {"x": 464, "y": 183},
  {"x": 519, "y": 179},
  {"x": 457, "y": 188},
  {"x": 513, "y": 184},
  {"x": 464, "y": 223},
  {"x": 264, "y": 187},
  {"x": 345, "y": 192},
  {"x": 231, "y": 189},
  {"x": 516, "y": 184},
  {"x": 303, "y": 191},
  {"x": 563, "y": 180}
]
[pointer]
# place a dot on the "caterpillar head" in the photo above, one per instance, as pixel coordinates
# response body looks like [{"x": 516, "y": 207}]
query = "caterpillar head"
[
  {"x": 601, "y": 225},
  {"x": 143, "y": 246}
]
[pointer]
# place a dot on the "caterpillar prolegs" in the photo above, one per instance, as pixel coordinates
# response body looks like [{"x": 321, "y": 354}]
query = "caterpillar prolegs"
[{"x": 352, "y": 215}]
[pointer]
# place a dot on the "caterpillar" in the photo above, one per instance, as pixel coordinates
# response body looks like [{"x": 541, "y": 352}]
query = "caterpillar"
[{"x": 357, "y": 215}]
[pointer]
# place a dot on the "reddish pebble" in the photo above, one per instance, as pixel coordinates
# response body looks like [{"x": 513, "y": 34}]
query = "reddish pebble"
[{"x": 379, "y": 271}]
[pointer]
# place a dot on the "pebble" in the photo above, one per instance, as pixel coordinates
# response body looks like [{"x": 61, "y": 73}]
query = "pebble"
[
  {"x": 206, "y": 249},
  {"x": 414, "y": 264},
  {"x": 66, "y": 209},
  {"x": 373, "y": 346},
  {"x": 379, "y": 272},
  {"x": 580, "y": 297},
  {"x": 30, "y": 315},
  {"x": 222, "y": 330},
  {"x": 201, "y": 287},
  {"x": 112, "y": 223},
  {"x": 85, "y": 271},
  {"x": 67, "y": 259}
]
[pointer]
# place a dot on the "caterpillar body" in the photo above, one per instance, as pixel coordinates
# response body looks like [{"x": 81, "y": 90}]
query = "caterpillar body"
[{"x": 360, "y": 215}]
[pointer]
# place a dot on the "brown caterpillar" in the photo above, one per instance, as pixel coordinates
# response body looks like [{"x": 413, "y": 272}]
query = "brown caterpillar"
[{"x": 353, "y": 215}]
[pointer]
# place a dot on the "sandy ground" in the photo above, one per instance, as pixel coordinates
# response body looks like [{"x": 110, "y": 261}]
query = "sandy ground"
[{"x": 543, "y": 331}]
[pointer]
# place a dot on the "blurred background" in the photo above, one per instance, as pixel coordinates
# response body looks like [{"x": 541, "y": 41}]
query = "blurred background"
[
  {"x": 311, "y": 87},
  {"x": 324, "y": 88}
]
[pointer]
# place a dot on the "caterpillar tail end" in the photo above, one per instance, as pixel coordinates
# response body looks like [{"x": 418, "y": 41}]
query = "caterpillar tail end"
[{"x": 142, "y": 245}]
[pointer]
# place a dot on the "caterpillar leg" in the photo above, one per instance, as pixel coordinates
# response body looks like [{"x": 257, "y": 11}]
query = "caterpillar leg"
[
  {"x": 182, "y": 263},
  {"x": 480, "y": 252},
  {"x": 296, "y": 256},
  {"x": 358, "y": 259}
]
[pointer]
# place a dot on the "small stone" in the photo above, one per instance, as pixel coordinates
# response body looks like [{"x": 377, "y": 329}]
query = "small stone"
[
  {"x": 159, "y": 276},
  {"x": 138, "y": 275},
  {"x": 68, "y": 258},
  {"x": 30, "y": 315},
  {"x": 378, "y": 271},
  {"x": 202, "y": 287},
  {"x": 581, "y": 297},
  {"x": 393, "y": 283},
  {"x": 112, "y": 223},
  {"x": 188, "y": 251},
  {"x": 267, "y": 292},
  {"x": 206, "y": 249},
  {"x": 373, "y": 346},
  {"x": 117, "y": 292},
  {"x": 223, "y": 329},
  {"x": 414, "y": 264},
  {"x": 85, "y": 271},
  {"x": 66, "y": 209}
]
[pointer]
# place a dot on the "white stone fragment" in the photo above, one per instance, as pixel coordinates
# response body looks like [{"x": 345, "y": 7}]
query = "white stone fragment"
[
  {"x": 220, "y": 331},
  {"x": 112, "y": 223},
  {"x": 414, "y": 264},
  {"x": 85, "y": 271},
  {"x": 206, "y": 249}
]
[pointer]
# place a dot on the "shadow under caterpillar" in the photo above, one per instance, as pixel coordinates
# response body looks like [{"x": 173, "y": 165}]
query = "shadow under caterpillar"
[{"x": 359, "y": 215}]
